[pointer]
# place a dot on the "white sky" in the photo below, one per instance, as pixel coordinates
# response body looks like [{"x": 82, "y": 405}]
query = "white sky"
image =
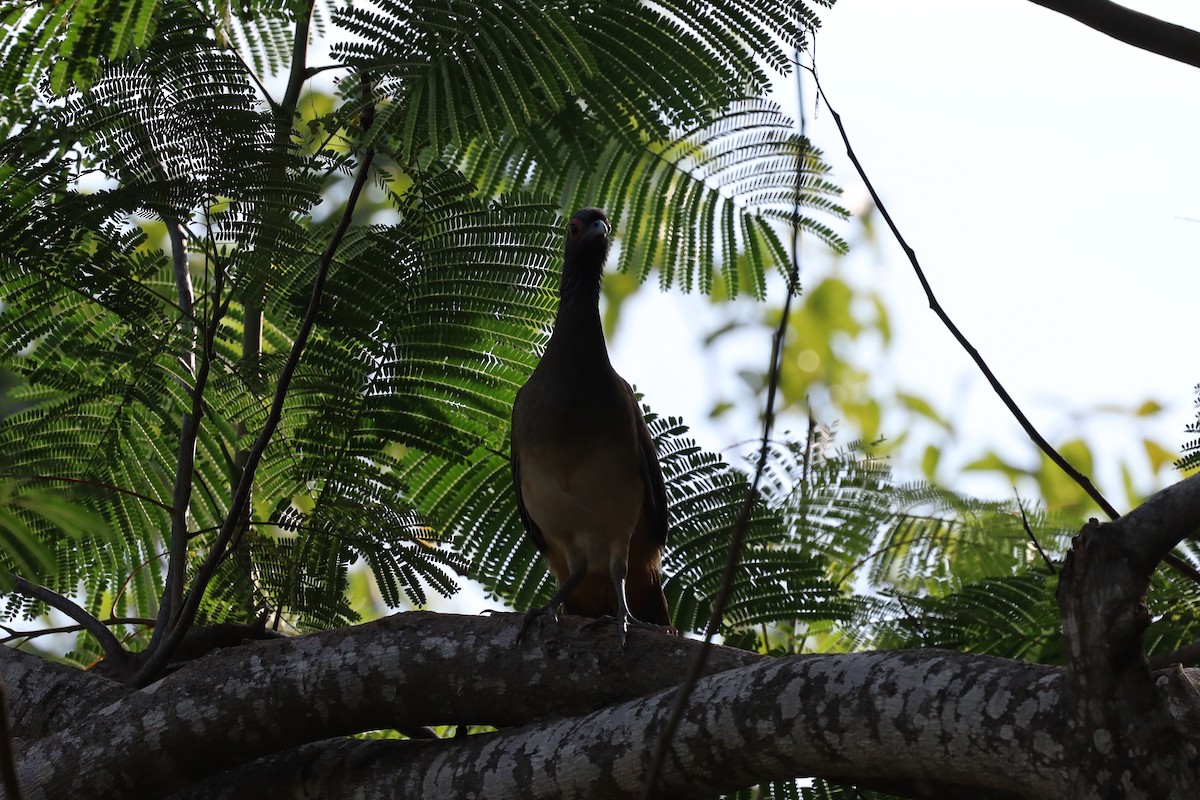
[{"x": 1046, "y": 176}]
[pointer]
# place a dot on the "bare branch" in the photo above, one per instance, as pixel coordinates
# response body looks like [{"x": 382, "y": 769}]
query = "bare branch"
[
  {"x": 111, "y": 645},
  {"x": 1132, "y": 27},
  {"x": 299, "y": 71},
  {"x": 1011, "y": 404},
  {"x": 1182, "y": 567},
  {"x": 1113, "y": 696},
  {"x": 34, "y": 633},
  {"x": 108, "y": 487},
  {"x": 1164, "y": 520},
  {"x": 160, "y": 655},
  {"x": 1029, "y": 532},
  {"x": 1188, "y": 656}
]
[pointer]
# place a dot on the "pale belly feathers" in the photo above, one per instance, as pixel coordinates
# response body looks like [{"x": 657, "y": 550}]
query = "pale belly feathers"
[{"x": 587, "y": 507}]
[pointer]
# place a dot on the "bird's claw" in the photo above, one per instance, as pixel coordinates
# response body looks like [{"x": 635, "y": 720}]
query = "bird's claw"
[{"x": 531, "y": 615}]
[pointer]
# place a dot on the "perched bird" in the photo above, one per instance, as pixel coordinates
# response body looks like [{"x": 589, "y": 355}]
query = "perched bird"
[{"x": 589, "y": 486}]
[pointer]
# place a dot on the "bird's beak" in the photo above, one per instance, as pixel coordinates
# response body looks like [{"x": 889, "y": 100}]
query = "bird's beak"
[{"x": 597, "y": 228}]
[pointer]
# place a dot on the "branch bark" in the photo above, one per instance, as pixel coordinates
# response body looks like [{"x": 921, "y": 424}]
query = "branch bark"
[
  {"x": 45, "y": 697},
  {"x": 1129, "y": 738},
  {"x": 926, "y": 723},
  {"x": 106, "y": 638},
  {"x": 1132, "y": 27},
  {"x": 8, "y": 765},
  {"x": 869, "y": 715},
  {"x": 407, "y": 670}
]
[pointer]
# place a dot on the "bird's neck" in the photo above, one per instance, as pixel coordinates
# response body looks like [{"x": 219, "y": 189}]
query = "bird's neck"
[{"x": 577, "y": 326}]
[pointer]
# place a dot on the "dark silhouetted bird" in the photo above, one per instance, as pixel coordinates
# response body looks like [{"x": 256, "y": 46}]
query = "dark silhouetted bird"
[{"x": 589, "y": 486}]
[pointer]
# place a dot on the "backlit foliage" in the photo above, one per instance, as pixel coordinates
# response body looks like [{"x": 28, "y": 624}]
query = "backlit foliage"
[{"x": 168, "y": 210}]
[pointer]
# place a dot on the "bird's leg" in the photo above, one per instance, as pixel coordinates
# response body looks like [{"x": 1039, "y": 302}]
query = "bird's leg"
[
  {"x": 551, "y": 608},
  {"x": 624, "y": 619}
]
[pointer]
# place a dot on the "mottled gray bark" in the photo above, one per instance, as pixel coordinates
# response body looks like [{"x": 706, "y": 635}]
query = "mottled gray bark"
[
  {"x": 406, "y": 670},
  {"x": 934, "y": 719},
  {"x": 579, "y": 716},
  {"x": 45, "y": 697},
  {"x": 1129, "y": 743}
]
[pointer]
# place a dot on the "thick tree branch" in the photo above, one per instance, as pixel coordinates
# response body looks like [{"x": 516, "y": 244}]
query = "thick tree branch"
[
  {"x": 1132, "y": 27},
  {"x": 1103, "y": 587},
  {"x": 46, "y": 697},
  {"x": 1187, "y": 656},
  {"x": 1112, "y": 695},
  {"x": 930, "y": 723},
  {"x": 886, "y": 716},
  {"x": 409, "y": 669},
  {"x": 1164, "y": 520}
]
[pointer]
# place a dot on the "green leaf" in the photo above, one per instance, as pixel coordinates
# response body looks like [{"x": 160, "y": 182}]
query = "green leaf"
[{"x": 1158, "y": 455}]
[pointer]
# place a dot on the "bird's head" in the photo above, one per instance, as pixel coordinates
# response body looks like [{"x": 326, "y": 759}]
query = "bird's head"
[
  {"x": 585, "y": 254},
  {"x": 587, "y": 237}
]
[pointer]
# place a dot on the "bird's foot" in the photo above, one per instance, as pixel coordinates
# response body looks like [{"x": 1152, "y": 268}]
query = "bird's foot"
[
  {"x": 627, "y": 622},
  {"x": 531, "y": 615}
]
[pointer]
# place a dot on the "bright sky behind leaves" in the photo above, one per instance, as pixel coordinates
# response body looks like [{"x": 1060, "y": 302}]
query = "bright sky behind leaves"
[{"x": 1048, "y": 178}]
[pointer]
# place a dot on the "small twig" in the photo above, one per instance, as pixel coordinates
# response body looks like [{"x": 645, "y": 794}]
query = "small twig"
[
  {"x": 14, "y": 634},
  {"x": 83, "y": 482},
  {"x": 108, "y": 642},
  {"x": 1030, "y": 431},
  {"x": 806, "y": 463},
  {"x": 8, "y": 761},
  {"x": 915, "y": 622},
  {"x": 1032, "y": 538}
]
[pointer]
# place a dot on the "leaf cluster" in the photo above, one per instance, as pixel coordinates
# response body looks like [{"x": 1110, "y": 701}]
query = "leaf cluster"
[{"x": 167, "y": 225}]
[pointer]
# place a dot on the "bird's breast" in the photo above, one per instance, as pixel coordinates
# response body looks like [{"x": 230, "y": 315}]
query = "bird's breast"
[{"x": 585, "y": 495}]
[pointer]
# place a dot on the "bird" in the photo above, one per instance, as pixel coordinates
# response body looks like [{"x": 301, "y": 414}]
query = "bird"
[{"x": 589, "y": 485}]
